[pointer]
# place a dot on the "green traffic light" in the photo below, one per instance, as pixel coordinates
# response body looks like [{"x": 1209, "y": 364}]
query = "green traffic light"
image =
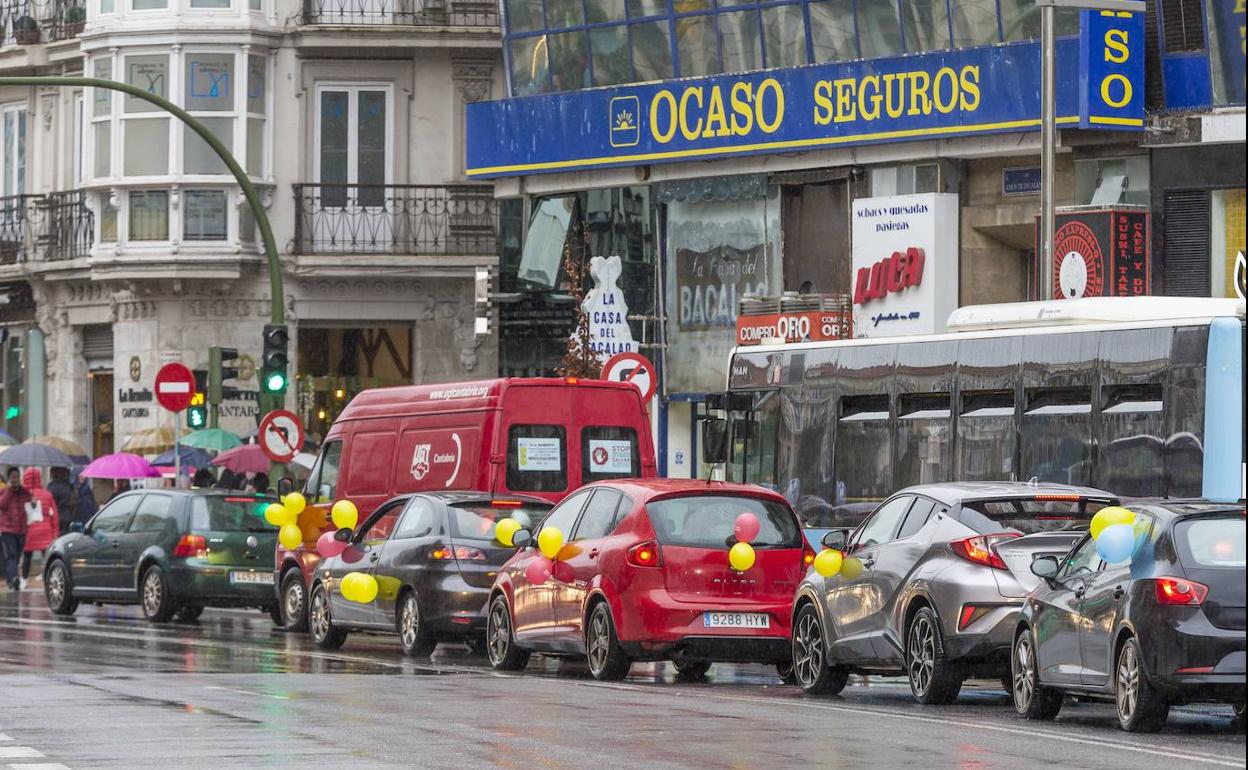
[
  {"x": 13, "y": 412},
  {"x": 275, "y": 382},
  {"x": 196, "y": 417}
]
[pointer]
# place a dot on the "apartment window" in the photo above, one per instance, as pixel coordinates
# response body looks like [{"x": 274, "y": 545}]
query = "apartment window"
[
  {"x": 13, "y": 164},
  {"x": 102, "y": 121},
  {"x": 145, "y": 128},
  {"x": 257, "y": 110},
  {"x": 149, "y": 215},
  {"x": 353, "y": 145},
  {"x": 79, "y": 107},
  {"x": 108, "y": 219},
  {"x": 209, "y": 97},
  {"x": 148, "y": 5},
  {"x": 204, "y": 215}
]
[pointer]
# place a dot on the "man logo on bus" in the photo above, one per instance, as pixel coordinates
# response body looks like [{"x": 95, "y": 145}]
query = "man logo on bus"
[{"x": 420, "y": 461}]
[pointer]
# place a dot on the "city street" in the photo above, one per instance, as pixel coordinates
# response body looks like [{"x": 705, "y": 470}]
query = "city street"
[{"x": 106, "y": 689}]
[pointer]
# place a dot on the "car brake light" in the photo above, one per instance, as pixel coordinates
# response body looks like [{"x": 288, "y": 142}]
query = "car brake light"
[
  {"x": 506, "y": 503},
  {"x": 1051, "y": 497},
  {"x": 644, "y": 555},
  {"x": 1177, "y": 591},
  {"x": 191, "y": 545},
  {"x": 458, "y": 553},
  {"x": 978, "y": 549},
  {"x": 571, "y": 380}
]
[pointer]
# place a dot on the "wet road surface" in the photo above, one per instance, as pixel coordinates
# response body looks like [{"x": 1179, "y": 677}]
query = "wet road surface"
[{"x": 106, "y": 689}]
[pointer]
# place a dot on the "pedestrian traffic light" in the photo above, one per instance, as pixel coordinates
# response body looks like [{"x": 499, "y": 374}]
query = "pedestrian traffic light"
[
  {"x": 274, "y": 361},
  {"x": 12, "y": 412},
  {"x": 219, "y": 371},
  {"x": 197, "y": 413}
]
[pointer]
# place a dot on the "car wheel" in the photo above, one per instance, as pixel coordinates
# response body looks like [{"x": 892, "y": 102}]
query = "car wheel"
[
  {"x": 414, "y": 635},
  {"x": 1141, "y": 707},
  {"x": 500, "y": 642},
  {"x": 158, "y": 605},
  {"x": 476, "y": 645},
  {"x": 59, "y": 589},
  {"x": 934, "y": 679},
  {"x": 691, "y": 669},
  {"x": 294, "y": 602},
  {"x": 1031, "y": 701},
  {"x": 811, "y": 669},
  {"x": 784, "y": 670},
  {"x": 607, "y": 662},
  {"x": 320, "y": 625},
  {"x": 1238, "y": 708},
  {"x": 274, "y": 611},
  {"x": 189, "y": 613}
]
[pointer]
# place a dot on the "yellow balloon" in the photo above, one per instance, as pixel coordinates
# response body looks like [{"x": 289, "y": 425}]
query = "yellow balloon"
[
  {"x": 1107, "y": 517},
  {"x": 290, "y": 536},
  {"x": 505, "y": 530},
  {"x": 358, "y": 587},
  {"x": 828, "y": 562},
  {"x": 295, "y": 503},
  {"x": 388, "y": 587},
  {"x": 275, "y": 515},
  {"x": 851, "y": 568},
  {"x": 549, "y": 541},
  {"x": 345, "y": 514},
  {"x": 741, "y": 556}
]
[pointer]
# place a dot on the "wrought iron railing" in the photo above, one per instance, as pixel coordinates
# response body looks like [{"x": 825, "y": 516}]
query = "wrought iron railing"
[
  {"x": 20, "y": 20},
  {"x": 410, "y": 13},
  {"x": 62, "y": 19},
  {"x": 396, "y": 219},
  {"x": 14, "y": 228},
  {"x": 64, "y": 226}
]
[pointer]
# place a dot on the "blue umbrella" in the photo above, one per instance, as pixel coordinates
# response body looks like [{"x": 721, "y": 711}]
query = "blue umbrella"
[
  {"x": 35, "y": 455},
  {"x": 196, "y": 458}
]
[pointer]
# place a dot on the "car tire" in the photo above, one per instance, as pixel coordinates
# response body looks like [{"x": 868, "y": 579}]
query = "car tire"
[
  {"x": 811, "y": 668},
  {"x": 691, "y": 669},
  {"x": 784, "y": 670},
  {"x": 934, "y": 679},
  {"x": 1141, "y": 707},
  {"x": 1031, "y": 701},
  {"x": 189, "y": 613},
  {"x": 293, "y": 602},
  {"x": 58, "y": 588},
  {"x": 500, "y": 642},
  {"x": 607, "y": 661},
  {"x": 154, "y": 596},
  {"x": 274, "y": 611},
  {"x": 476, "y": 645},
  {"x": 414, "y": 636},
  {"x": 324, "y": 633}
]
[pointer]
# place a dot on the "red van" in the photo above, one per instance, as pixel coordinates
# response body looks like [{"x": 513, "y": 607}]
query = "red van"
[{"x": 537, "y": 436}]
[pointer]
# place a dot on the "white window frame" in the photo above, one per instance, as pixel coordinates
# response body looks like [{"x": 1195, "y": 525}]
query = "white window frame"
[
  {"x": 353, "y": 90},
  {"x": 13, "y": 159}
]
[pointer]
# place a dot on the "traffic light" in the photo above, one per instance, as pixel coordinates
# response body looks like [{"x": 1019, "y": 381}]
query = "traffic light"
[
  {"x": 12, "y": 412},
  {"x": 274, "y": 362},
  {"x": 219, "y": 371},
  {"x": 197, "y": 412}
]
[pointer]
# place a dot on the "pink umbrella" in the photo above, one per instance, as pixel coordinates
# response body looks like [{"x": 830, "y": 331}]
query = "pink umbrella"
[
  {"x": 121, "y": 465},
  {"x": 248, "y": 458}
]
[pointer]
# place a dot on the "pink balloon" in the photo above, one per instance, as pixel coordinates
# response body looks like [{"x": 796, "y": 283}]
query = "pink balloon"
[
  {"x": 538, "y": 571},
  {"x": 746, "y": 527},
  {"x": 327, "y": 546}
]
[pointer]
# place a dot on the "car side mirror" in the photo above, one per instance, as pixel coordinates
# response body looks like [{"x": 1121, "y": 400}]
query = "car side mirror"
[
  {"x": 836, "y": 539},
  {"x": 522, "y": 539},
  {"x": 1044, "y": 567},
  {"x": 76, "y": 526},
  {"x": 714, "y": 440}
]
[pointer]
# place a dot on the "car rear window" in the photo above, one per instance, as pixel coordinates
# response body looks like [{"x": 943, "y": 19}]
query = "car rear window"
[
  {"x": 476, "y": 521},
  {"x": 230, "y": 514},
  {"x": 1029, "y": 515},
  {"x": 706, "y": 521},
  {"x": 1216, "y": 542}
]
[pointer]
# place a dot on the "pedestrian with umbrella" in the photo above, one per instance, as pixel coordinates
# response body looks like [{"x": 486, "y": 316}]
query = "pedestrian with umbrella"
[
  {"x": 13, "y": 499},
  {"x": 42, "y": 520},
  {"x": 66, "y": 498},
  {"x": 87, "y": 506}
]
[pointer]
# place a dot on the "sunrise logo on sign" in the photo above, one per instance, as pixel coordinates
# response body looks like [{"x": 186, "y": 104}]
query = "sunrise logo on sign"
[{"x": 625, "y": 125}]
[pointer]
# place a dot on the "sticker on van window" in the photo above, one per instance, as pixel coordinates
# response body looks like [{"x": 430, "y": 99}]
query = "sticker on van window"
[
  {"x": 610, "y": 456},
  {"x": 539, "y": 454}
]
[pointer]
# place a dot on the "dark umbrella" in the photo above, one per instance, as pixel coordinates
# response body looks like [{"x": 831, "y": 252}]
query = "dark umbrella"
[
  {"x": 195, "y": 458},
  {"x": 35, "y": 455}
]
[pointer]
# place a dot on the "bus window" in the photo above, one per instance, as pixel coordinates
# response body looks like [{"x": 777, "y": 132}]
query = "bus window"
[
  {"x": 986, "y": 436},
  {"x": 1185, "y": 412},
  {"x": 537, "y": 458},
  {"x": 1132, "y": 446},
  {"x": 924, "y": 437},
  {"x": 754, "y": 442},
  {"x": 1056, "y": 434},
  {"x": 864, "y": 460}
]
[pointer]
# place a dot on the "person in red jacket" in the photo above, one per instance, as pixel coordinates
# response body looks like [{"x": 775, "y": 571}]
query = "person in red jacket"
[
  {"x": 41, "y": 532},
  {"x": 13, "y": 499}
]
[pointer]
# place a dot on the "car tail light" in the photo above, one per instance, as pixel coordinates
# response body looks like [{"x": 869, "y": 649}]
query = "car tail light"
[
  {"x": 978, "y": 549},
  {"x": 458, "y": 553},
  {"x": 1178, "y": 591},
  {"x": 191, "y": 545},
  {"x": 571, "y": 380},
  {"x": 1194, "y": 670},
  {"x": 1055, "y": 497},
  {"x": 506, "y": 503},
  {"x": 808, "y": 556},
  {"x": 971, "y": 613},
  {"x": 644, "y": 555}
]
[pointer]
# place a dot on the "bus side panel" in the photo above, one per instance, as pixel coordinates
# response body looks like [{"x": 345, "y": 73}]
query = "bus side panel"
[{"x": 1224, "y": 411}]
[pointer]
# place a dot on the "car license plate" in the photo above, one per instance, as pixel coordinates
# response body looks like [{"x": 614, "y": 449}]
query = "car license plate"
[
  {"x": 735, "y": 620},
  {"x": 264, "y": 578}
]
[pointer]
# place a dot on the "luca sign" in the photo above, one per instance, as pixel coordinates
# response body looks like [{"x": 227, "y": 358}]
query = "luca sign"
[{"x": 947, "y": 93}]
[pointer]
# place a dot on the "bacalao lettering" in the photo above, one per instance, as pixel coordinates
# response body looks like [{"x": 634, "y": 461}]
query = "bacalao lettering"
[
  {"x": 891, "y": 274},
  {"x": 895, "y": 95}
]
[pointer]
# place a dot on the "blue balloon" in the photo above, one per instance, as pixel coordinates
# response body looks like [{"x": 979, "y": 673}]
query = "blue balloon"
[{"x": 1116, "y": 543}]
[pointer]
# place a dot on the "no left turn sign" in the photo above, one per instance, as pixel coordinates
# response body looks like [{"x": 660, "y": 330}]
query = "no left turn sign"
[
  {"x": 633, "y": 368},
  {"x": 281, "y": 435}
]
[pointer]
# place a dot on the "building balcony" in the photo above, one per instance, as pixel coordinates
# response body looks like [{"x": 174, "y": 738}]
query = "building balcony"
[
  {"x": 53, "y": 227},
  {"x": 458, "y": 220},
  {"x": 402, "y": 13},
  {"x": 28, "y": 22}
]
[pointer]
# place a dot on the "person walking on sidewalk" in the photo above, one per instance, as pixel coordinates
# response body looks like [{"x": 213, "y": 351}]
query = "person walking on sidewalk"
[
  {"x": 13, "y": 499},
  {"x": 66, "y": 498},
  {"x": 42, "y": 520}
]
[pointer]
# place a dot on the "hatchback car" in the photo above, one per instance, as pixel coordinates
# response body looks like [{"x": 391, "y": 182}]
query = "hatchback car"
[
  {"x": 434, "y": 557},
  {"x": 1165, "y": 627},
  {"x": 944, "y": 570},
  {"x": 170, "y": 551},
  {"x": 644, "y": 575}
]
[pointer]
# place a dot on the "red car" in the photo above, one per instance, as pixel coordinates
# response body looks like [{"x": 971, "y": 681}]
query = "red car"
[{"x": 644, "y": 575}]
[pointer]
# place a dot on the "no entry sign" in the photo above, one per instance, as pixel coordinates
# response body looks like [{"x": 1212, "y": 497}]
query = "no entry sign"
[
  {"x": 175, "y": 387},
  {"x": 281, "y": 435},
  {"x": 633, "y": 368}
]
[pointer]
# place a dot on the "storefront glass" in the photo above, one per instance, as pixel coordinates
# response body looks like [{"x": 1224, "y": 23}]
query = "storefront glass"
[
  {"x": 334, "y": 364},
  {"x": 1226, "y": 231}
]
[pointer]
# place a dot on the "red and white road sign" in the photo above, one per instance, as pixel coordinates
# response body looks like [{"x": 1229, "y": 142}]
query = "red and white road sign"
[
  {"x": 633, "y": 368},
  {"x": 175, "y": 387},
  {"x": 281, "y": 435}
]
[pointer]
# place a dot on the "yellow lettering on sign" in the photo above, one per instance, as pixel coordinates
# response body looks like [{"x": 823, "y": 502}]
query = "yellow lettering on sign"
[
  {"x": 894, "y": 85},
  {"x": 970, "y": 88},
  {"x": 823, "y": 102},
  {"x": 740, "y": 97},
  {"x": 1126, "y": 90},
  {"x": 661, "y": 98},
  {"x": 920, "y": 104},
  {"x": 945, "y": 75},
  {"x": 1116, "y": 50},
  {"x": 869, "y": 106},
  {"x": 845, "y": 109},
  {"x": 685, "y": 130},
  {"x": 715, "y": 116},
  {"x": 770, "y": 84}
]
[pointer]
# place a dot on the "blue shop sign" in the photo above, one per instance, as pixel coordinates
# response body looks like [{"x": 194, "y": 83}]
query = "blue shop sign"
[{"x": 990, "y": 89}]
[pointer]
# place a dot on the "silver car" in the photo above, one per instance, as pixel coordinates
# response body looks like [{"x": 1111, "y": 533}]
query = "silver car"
[{"x": 932, "y": 584}]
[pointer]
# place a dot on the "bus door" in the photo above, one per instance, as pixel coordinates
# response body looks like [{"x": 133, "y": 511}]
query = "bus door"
[{"x": 754, "y": 440}]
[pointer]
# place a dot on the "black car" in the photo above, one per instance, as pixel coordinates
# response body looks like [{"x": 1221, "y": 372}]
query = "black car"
[
  {"x": 170, "y": 551},
  {"x": 1164, "y": 628},
  {"x": 434, "y": 557}
]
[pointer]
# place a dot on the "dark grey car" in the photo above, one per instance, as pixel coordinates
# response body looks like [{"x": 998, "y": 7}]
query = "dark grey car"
[{"x": 944, "y": 571}]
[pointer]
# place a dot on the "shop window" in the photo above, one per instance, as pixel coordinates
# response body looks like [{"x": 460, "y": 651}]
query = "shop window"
[
  {"x": 609, "y": 49},
  {"x": 879, "y": 28},
  {"x": 1112, "y": 181},
  {"x": 652, "y": 51},
  {"x": 911, "y": 179},
  {"x": 569, "y": 64},
  {"x": 832, "y": 30},
  {"x": 926, "y": 24},
  {"x": 545, "y": 242},
  {"x": 333, "y": 364},
  {"x": 528, "y": 66},
  {"x": 784, "y": 32},
  {"x": 740, "y": 43},
  {"x": 204, "y": 215},
  {"x": 1226, "y": 230},
  {"x": 149, "y": 215},
  {"x": 696, "y": 46},
  {"x": 974, "y": 22}
]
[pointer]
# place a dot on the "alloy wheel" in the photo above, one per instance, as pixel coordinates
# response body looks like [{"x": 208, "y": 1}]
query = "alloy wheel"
[
  {"x": 409, "y": 625},
  {"x": 56, "y": 585},
  {"x": 1024, "y": 675},
  {"x": 319, "y": 615},
  {"x": 1127, "y": 692},
  {"x": 599, "y": 641},
  {"x": 153, "y": 592},
  {"x": 498, "y": 633},
  {"x": 922, "y": 653},
  {"x": 293, "y": 606},
  {"x": 808, "y": 646}
]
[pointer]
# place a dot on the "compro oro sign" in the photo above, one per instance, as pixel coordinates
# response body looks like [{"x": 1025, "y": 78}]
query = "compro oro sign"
[{"x": 905, "y": 264}]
